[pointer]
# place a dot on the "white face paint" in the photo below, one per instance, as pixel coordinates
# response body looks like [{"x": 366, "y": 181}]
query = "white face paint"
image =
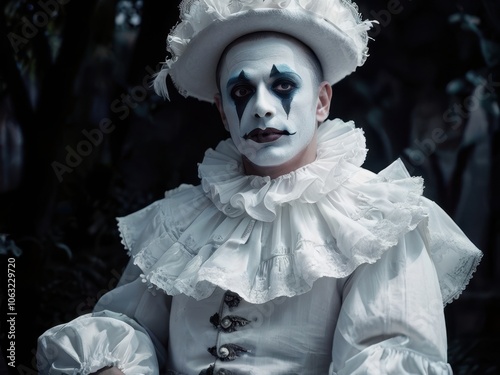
[{"x": 269, "y": 98}]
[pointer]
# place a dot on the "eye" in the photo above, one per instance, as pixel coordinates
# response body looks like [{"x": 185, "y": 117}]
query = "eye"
[
  {"x": 284, "y": 86},
  {"x": 240, "y": 91}
]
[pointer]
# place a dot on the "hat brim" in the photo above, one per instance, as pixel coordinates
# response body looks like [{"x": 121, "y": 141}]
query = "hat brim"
[{"x": 195, "y": 70}]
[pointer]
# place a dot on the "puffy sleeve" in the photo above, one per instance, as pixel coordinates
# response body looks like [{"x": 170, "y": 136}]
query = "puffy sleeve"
[
  {"x": 392, "y": 320},
  {"x": 128, "y": 328}
]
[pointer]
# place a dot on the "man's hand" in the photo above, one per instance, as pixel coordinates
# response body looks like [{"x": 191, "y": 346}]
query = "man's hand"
[{"x": 108, "y": 371}]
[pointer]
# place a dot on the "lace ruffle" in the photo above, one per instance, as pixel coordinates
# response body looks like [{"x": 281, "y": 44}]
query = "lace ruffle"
[{"x": 264, "y": 238}]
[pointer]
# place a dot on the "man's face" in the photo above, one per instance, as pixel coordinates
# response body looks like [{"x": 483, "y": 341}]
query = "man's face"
[{"x": 269, "y": 95}]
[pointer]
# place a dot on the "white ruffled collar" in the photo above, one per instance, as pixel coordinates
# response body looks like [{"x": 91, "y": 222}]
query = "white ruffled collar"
[
  {"x": 341, "y": 151},
  {"x": 253, "y": 235}
]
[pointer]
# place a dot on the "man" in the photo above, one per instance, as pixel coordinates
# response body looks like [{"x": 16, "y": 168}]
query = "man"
[{"x": 289, "y": 258}]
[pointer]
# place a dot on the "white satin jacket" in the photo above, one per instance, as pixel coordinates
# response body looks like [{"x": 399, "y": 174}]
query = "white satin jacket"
[{"x": 330, "y": 269}]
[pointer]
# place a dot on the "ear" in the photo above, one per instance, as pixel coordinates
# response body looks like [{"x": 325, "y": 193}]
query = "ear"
[
  {"x": 218, "y": 103},
  {"x": 324, "y": 99}
]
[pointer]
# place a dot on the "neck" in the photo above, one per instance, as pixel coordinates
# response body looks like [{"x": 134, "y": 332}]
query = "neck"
[{"x": 306, "y": 156}]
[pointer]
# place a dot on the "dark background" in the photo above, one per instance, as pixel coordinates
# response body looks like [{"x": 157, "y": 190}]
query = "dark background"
[{"x": 427, "y": 94}]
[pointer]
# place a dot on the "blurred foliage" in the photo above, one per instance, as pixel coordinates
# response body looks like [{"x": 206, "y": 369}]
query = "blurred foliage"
[
  {"x": 128, "y": 14},
  {"x": 474, "y": 356},
  {"x": 8, "y": 247},
  {"x": 27, "y": 20}
]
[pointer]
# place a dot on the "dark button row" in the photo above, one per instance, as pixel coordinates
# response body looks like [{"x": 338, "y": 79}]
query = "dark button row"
[{"x": 227, "y": 324}]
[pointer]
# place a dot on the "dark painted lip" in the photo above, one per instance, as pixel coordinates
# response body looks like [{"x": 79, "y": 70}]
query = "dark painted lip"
[{"x": 265, "y": 135}]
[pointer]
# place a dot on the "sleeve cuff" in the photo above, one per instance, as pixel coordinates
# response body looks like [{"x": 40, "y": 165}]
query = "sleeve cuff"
[
  {"x": 93, "y": 341},
  {"x": 391, "y": 361}
]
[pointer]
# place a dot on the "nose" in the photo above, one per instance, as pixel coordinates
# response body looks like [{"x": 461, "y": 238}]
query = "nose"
[{"x": 263, "y": 104}]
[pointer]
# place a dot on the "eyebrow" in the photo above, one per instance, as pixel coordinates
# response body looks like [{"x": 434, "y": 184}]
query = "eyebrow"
[
  {"x": 242, "y": 77},
  {"x": 284, "y": 70}
]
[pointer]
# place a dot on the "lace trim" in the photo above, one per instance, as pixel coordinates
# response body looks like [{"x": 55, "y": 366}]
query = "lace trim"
[{"x": 466, "y": 266}]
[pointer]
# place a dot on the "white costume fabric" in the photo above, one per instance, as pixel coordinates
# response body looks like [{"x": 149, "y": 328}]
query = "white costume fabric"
[{"x": 330, "y": 269}]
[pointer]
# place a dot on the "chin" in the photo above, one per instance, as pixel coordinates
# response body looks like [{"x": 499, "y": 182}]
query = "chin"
[{"x": 270, "y": 159}]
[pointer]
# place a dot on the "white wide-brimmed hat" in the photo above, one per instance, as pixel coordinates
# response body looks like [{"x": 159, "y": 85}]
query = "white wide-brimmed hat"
[{"x": 333, "y": 29}]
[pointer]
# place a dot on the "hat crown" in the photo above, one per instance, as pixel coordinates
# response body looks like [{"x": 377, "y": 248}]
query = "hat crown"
[{"x": 196, "y": 15}]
